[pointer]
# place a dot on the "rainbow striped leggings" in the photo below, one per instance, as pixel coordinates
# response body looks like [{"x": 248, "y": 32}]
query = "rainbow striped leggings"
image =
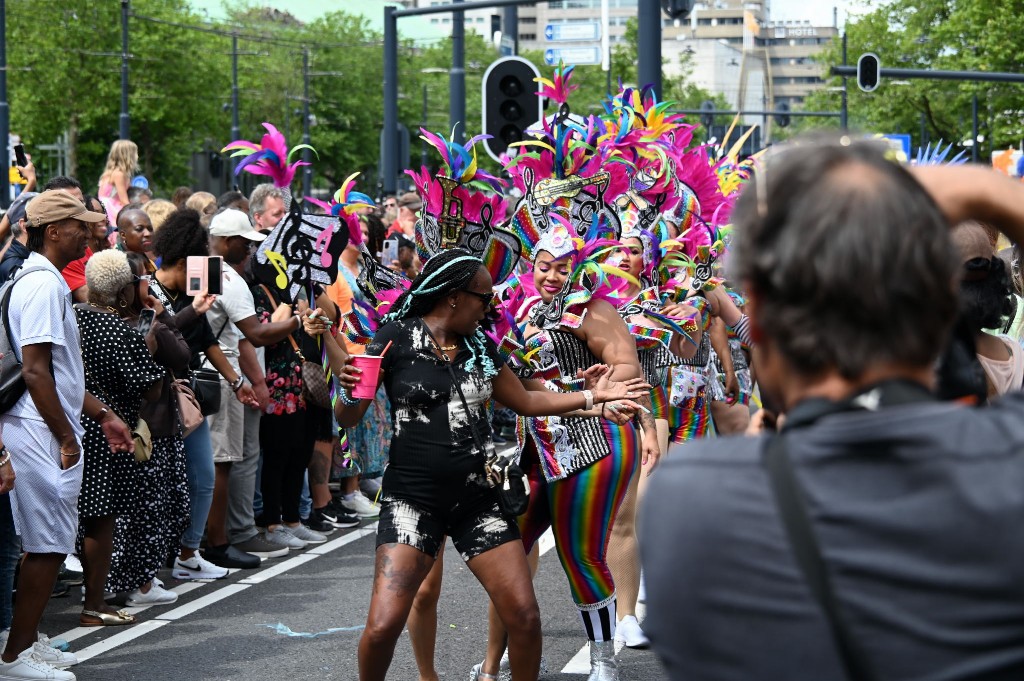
[{"x": 579, "y": 510}]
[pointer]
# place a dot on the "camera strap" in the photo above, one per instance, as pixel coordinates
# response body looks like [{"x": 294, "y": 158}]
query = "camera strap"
[{"x": 792, "y": 509}]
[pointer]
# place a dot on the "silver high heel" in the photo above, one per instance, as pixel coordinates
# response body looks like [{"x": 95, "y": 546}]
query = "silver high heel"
[{"x": 603, "y": 666}]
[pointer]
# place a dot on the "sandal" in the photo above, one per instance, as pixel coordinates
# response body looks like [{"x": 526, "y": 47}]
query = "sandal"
[{"x": 106, "y": 619}]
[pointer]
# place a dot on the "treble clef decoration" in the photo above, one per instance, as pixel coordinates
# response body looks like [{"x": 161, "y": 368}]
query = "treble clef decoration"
[{"x": 450, "y": 221}]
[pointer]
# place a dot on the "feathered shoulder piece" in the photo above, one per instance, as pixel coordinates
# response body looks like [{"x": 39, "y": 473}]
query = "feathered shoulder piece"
[{"x": 270, "y": 157}]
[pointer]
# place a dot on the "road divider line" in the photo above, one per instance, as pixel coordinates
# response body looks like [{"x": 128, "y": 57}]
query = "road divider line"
[
  {"x": 119, "y": 639},
  {"x": 134, "y": 631}
]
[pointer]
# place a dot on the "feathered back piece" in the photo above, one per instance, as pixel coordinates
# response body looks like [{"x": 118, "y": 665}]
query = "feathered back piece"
[
  {"x": 929, "y": 156},
  {"x": 462, "y": 208},
  {"x": 270, "y": 157}
]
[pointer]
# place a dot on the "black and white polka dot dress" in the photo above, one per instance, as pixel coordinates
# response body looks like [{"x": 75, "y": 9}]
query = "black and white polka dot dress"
[{"x": 118, "y": 370}]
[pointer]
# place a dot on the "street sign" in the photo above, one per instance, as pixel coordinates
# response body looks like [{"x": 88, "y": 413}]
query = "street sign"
[
  {"x": 900, "y": 144},
  {"x": 579, "y": 30},
  {"x": 508, "y": 46},
  {"x": 572, "y": 55}
]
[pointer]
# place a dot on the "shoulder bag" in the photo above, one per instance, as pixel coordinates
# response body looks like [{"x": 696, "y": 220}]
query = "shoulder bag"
[
  {"x": 314, "y": 381},
  {"x": 504, "y": 475}
]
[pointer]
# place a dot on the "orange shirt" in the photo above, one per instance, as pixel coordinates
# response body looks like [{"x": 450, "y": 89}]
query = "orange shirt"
[{"x": 341, "y": 293}]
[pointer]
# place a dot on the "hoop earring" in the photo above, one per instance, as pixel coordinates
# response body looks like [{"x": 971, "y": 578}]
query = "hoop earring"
[{"x": 122, "y": 303}]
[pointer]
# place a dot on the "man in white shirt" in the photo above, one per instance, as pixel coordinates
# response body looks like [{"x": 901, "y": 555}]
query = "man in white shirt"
[
  {"x": 43, "y": 429},
  {"x": 233, "y": 317}
]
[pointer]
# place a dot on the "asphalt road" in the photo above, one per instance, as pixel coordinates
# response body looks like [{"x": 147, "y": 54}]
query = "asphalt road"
[{"x": 232, "y": 628}]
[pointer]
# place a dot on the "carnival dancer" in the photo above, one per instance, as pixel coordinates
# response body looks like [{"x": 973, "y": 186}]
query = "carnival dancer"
[{"x": 439, "y": 371}]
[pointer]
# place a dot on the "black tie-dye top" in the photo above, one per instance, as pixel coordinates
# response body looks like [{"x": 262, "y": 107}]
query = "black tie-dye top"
[{"x": 433, "y": 454}]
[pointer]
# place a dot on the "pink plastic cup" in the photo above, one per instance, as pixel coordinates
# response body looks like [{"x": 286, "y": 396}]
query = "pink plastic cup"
[{"x": 366, "y": 388}]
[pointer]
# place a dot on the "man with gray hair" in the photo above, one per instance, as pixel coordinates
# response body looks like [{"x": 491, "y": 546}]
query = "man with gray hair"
[
  {"x": 266, "y": 207},
  {"x": 878, "y": 534}
]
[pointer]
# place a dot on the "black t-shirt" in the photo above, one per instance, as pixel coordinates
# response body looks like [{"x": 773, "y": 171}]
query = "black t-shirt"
[
  {"x": 433, "y": 455},
  {"x": 919, "y": 512},
  {"x": 198, "y": 335}
]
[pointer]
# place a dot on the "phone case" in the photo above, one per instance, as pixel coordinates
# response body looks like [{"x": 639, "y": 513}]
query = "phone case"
[
  {"x": 195, "y": 274},
  {"x": 215, "y": 275},
  {"x": 390, "y": 252}
]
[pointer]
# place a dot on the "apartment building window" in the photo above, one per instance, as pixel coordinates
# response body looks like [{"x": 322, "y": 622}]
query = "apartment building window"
[
  {"x": 527, "y": 36},
  {"x": 527, "y": 20}
]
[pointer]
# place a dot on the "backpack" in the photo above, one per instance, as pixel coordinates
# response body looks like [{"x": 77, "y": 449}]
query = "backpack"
[{"x": 12, "y": 383}]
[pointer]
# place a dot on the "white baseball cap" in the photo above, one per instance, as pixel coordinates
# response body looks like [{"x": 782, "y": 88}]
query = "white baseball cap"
[{"x": 232, "y": 222}]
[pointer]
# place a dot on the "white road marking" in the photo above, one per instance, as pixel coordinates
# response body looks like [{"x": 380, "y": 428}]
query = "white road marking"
[
  {"x": 133, "y": 632},
  {"x": 580, "y": 663}
]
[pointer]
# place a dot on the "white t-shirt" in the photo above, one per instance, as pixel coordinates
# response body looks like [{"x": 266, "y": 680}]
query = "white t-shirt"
[
  {"x": 41, "y": 312},
  {"x": 232, "y": 306}
]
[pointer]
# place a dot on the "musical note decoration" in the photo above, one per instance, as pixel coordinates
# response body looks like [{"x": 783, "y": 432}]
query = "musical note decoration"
[{"x": 300, "y": 251}]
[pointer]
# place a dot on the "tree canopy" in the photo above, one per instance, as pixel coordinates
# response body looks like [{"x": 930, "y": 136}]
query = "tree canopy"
[{"x": 934, "y": 34}]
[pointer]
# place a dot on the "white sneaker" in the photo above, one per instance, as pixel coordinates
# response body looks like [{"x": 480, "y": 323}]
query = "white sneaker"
[
  {"x": 281, "y": 535},
  {"x": 197, "y": 567},
  {"x": 628, "y": 631},
  {"x": 45, "y": 649},
  {"x": 303, "y": 533},
  {"x": 30, "y": 665},
  {"x": 157, "y": 595},
  {"x": 360, "y": 506},
  {"x": 72, "y": 563}
]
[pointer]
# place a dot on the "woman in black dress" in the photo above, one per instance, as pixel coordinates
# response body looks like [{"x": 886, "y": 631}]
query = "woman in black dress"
[
  {"x": 151, "y": 530},
  {"x": 120, "y": 368}
]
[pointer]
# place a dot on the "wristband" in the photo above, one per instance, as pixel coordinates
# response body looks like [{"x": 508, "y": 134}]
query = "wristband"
[
  {"x": 237, "y": 385},
  {"x": 590, "y": 399},
  {"x": 346, "y": 399}
]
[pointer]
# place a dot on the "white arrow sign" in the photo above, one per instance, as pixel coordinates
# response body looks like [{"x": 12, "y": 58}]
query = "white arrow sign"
[
  {"x": 582, "y": 30},
  {"x": 572, "y": 55}
]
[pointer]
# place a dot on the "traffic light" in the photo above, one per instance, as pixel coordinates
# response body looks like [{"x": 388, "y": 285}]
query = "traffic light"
[
  {"x": 782, "y": 118},
  {"x": 677, "y": 9},
  {"x": 869, "y": 72},
  {"x": 707, "y": 119},
  {"x": 510, "y": 103}
]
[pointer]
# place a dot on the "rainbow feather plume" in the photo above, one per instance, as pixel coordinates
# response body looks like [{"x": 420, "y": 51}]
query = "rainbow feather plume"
[
  {"x": 558, "y": 87},
  {"x": 270, "y": 157},
  {"x": 460, "y": 160}
]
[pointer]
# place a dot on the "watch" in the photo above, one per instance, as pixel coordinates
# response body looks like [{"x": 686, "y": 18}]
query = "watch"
[{"x": 102, "y": 415}]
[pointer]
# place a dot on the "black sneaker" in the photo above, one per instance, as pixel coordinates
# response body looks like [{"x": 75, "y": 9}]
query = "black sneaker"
[
  {"x": 228, "y": 556},
  {"x": 318, "y": 523},
  {"x": 341, "y": 515}
]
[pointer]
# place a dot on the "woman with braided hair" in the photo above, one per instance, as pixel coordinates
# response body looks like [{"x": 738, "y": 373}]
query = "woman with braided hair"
[{"x": 439, "y": 372}]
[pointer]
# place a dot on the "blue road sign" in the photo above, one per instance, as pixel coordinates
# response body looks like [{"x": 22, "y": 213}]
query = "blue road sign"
[
  {"x": 572, "y": 55},
  {"x": 580, "y": 30}
]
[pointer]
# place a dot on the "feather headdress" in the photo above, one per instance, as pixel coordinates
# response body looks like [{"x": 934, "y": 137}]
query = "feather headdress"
[
  {"x": 270, "y": 157},
  {"x": 344, "y": 205}
]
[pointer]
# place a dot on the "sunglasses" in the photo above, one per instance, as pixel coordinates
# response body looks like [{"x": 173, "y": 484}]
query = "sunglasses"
[{"x": 485, "y": 298}]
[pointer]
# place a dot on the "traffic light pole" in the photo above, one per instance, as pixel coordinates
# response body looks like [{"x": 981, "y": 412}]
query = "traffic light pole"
[
  {"x": 389, "y": 162},
  {"x": 457, "y": 76},
  {"x": 775, "y": 112},
  {"x": 649, "y": 49}
]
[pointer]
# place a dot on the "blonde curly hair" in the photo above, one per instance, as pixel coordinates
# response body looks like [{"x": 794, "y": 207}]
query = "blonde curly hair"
[
  {"x": 158, "y": 210},
  {"x": 106, "y": 273}
]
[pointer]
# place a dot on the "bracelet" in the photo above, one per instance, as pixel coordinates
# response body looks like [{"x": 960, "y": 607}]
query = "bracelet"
[
  {"x": 102, "y": 415},
  {"x": 237, "y": 385},
  {"x": 5, "y": 456},
  {"x": 347, "y": 400},
  {"x": 590, "y": 399}
]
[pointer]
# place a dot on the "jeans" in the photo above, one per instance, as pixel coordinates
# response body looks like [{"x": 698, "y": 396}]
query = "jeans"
[
  {"x": 199, "y": 468},
  {"x": 10, "y": 552},
  {"x": 242, "y": 483}
]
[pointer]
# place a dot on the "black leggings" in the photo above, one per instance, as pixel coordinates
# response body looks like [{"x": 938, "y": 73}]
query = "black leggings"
[{"x": 287, "y": 442}]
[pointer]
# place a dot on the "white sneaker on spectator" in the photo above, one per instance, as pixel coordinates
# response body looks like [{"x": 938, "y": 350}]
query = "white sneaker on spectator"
[
  {"x": 157, "y": 595},
  {"x": 197, "y": 567},
  {"x": 281, "y": 535},
  {"x": 72, "y": 563},
  {"x": 360, "y": 506},
  {"x": 628, "y": 631},
  {"x": 29, "y": 665},
  {"x": 303, "y": 533},
  {"x": 45, "y": 649}
]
